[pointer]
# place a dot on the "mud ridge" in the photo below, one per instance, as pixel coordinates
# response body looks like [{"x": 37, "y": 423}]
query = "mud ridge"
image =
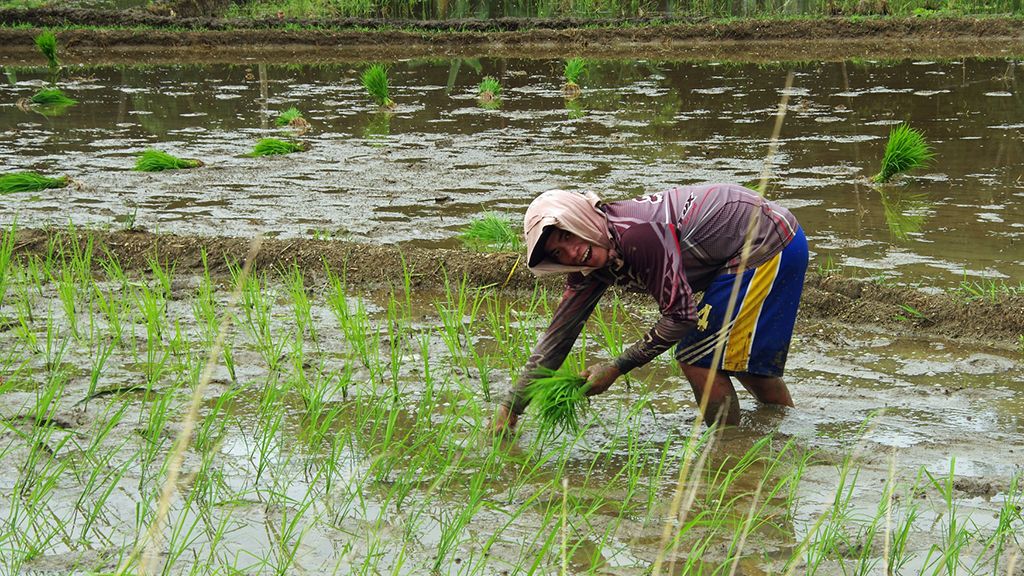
[{"x": 1000, "y": 322}]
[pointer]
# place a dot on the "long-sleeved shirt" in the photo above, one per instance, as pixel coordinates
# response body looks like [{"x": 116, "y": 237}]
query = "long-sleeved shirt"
[{"x": 671, "y": 245}]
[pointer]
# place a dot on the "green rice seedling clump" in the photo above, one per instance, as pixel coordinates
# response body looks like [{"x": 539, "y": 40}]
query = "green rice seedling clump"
[
  {"x": 29, "y": 182},
  {"x": 52, "y": 97},
  {"x": 905, "y": 151},
  {"x": 288, "y": 116},
  {"x": 559, "y": 398},
  {"x": 46, "y": 42},
  {"x": 152, "y": 160},
  {"x": 489, "y": 92},
  {"x": 273, "y": 147},
  {"x": 491, "y": 232},
  {"x": 575, "y": 68},
  {"x": 375, "y": 80}
]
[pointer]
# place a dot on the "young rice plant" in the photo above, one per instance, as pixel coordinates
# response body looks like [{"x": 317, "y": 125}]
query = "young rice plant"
[
  {"x": 489, "y": 93},
  {"x": 491, "y": 232},
  {"x": 559, "y": 399},
  {"x": 29, "y": 182},
  {"x": 905, "y": 151},
  {"x": 273, "y": 146},
  {"x": 375, "y": 80},
  {"x": 152, "y": 160},
  {"x": 575, "y": 68},
  {"x": 46, "y": 42},
  {"x": 52, "y": 97}
]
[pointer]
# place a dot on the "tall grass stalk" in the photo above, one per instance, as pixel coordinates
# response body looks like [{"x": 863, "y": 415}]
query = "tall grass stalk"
[
  {"x": 147, "y": 546},
  {"x": 906, "y": 150},
  {"x": 375, "y": 81}
]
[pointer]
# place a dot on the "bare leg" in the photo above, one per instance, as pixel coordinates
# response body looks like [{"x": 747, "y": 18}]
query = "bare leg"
[
  {"x": 723, "y": 405},
  {"x": 767, "y": 390}
]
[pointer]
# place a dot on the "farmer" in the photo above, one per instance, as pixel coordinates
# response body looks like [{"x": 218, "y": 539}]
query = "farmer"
[{"x": 672, "y": 245}]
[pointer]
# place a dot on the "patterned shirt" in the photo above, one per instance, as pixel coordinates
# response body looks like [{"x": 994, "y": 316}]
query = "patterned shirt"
[{"x": 671, "y": 244}]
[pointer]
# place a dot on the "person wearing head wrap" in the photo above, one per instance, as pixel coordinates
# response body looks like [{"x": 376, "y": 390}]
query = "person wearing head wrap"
[{"x": 672, "y": 245}]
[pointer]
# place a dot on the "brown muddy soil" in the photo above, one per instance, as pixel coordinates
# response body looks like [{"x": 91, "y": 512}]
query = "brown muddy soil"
[
  {"x": 843, "y": 300},
  {"x": 144, "y": 36}
]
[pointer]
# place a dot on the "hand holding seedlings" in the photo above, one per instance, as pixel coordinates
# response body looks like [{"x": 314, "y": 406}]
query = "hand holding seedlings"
[
  {"x": 600, "y": 378},
  {"x": 659, "y": 243}
]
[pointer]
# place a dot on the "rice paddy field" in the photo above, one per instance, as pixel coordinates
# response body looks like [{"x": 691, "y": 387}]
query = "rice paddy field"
[{"x": 200, "y": 415}]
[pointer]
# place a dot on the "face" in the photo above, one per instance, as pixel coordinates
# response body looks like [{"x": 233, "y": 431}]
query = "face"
[{"x": 569, "y": 249}]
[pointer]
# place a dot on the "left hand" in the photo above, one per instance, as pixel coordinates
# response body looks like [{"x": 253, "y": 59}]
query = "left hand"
[{"x": 600, "y": 378}]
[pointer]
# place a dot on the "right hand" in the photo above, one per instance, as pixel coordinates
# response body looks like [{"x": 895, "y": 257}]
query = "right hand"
[{"x": 504, "y": 421}]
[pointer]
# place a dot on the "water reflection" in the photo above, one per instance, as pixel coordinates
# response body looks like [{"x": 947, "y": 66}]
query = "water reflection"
[{"x": 639, "y": 125}]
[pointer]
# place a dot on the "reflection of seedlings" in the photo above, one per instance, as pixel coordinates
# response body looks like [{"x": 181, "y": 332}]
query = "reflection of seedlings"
[
  {"x": 904, "y": 213},
  {"x": 491, "y": 232},
  {"x": 30, "y": 182},
  {"x": 293, "y": 118},
  {"x": 574, "y": 69},
  {"x": 576, "y": 109},
  {"x": 156, "y": 161},
  {"x": 375, "y": 80},
  {"x": 273, "y": 147},
  {"x": 378, "y": 126},
  {"x": 489, "y": 93},
  {"x": 905, "y": 151},
  {"x": 559, "y": 399}
]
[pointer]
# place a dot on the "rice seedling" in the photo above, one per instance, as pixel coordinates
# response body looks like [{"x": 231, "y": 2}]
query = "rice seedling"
[
  {"x": 51, "y": 97},
  {"x": 30, "y": 182},
  {"x": 375, "y": 80},
  {"x": 491, "y": 232},
  {"x": 153, "y": 160},
  {"x": 905, "y": 151},
  {"x": 293, "y": 119},
  {"x": 46, "y": 42},
  {"x": 274, "y": 146},
  {"x": 559, "y": 399},
  {"x": 489, "y": 93},
  {"x": 575, "y": 69}
]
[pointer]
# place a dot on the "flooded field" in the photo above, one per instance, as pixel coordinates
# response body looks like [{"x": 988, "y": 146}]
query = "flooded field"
[
  {"x": 419, "y": 173},
  {"x": 339, "y": 426}
]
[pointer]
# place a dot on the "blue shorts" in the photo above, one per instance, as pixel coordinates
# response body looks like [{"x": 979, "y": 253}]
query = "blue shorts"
[{"x": 757, "y": 338}]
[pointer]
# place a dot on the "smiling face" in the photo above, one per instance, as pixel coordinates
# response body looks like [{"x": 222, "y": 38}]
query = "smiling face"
[{"x": 569, "y": 249}]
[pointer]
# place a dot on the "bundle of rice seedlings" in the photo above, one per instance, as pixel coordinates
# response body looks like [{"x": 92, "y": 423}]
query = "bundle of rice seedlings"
[
  {"x": 491, "y": 232},
  {"x": 575, "y": 68},
  {"x": 489, "y": 93},
  {"x": 293, "y": 118},
  {"x": 905, "y": 151},
  {"x": 152, "y": 160},
  {"x": 375, "y": 80},
  {"x": 46, "y": 42},
  {"x": 273, "y": 146},
  {"x": 51, "y": 97},
  {"x": 559, "y": 399},
  {"x": 29, "y": 182}
]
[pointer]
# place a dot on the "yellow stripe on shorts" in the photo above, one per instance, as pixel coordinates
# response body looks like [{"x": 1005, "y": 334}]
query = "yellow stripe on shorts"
[{"x": 741, "y": 337}]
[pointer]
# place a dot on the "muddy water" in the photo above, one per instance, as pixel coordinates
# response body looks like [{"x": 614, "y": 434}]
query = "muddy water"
[{"x": 421, "y": 172}]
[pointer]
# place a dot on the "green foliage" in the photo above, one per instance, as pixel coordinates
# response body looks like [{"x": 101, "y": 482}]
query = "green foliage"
[
  {"x": 273, "y": 146},
  {"x": 29, "y": 182},
  {"x": 47, "y": 44},
  {"x": 575, "y": 69},
  {"x": 905, "y": 151},
  {"x": 559, "y": 399},
  {"x": 375, "y": 80},
  {"x": 491, "y": 232},
  {"x": 489, "y": 93},
  {"x": 288, "y": 116},
  {"x": 52, "y": 97},
  {"x": 152, "y": 160}
]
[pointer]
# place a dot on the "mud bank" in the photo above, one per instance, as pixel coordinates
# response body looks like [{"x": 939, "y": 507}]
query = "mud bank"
[
  {"x": 143, "y": 36},
  {"x": 845, "y": 300}
]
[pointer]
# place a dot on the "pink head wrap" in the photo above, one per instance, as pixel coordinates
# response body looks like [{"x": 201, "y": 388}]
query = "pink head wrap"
[{"x": 573, "y": 211}]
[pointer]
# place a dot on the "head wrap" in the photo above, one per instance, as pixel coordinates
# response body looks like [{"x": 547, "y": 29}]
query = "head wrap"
[{"x": 575, "y": 212}]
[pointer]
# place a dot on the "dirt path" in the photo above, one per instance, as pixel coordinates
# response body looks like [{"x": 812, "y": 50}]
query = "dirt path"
[
  {"x": 843, "y": 300},
  {"x": 164, "y": 38}
]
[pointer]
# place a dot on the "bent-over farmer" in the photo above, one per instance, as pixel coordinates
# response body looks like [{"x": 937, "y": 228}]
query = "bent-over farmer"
[{"x": 671, "y": 245}]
